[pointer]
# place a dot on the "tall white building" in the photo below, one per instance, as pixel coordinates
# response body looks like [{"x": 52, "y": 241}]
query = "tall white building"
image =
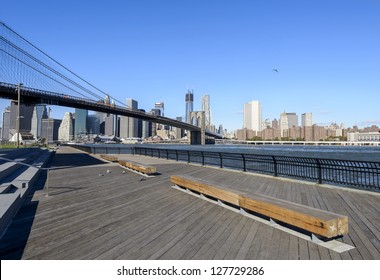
[
  {"x": 206, "y": 108},
  {"x": 284, "y": 123},
  {"x": 252, "y": 118},
  {"x": 307, "y": 119},
  {"x": 66, "y": 129}
]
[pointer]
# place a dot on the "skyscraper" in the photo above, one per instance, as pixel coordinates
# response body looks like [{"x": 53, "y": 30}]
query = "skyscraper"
[
  {"x": 189, "y": 104},
  {"x": 39, "y": 113},
  {"x": 26, "y": 113},
  {"x": 284, "y": 123},
  {"x": 6, "y": 123},
  {"x": 93, "y": 123},
  {"x": 128, "y": 125},
  {"x": 206, "y": 108},
  {"x": 252, "y": 116},
  {"x": 109, "y": 125},
  {"x": 66, "y": 129},
  {"x": 161, "y": 107},
  {"x": 307, "y": 119},
  {"x": 80, "y": 122},
  {"x": 292, "y": 119}
]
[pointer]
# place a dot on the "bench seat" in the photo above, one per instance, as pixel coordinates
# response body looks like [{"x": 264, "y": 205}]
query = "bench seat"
[
  {"x": 316, "y": 221},
  {"x": 109, "y": 158},
  {"x": 149, "y": 170}
]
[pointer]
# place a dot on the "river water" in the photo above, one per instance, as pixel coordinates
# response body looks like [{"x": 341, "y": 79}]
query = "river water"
[{"x": 360, "y": 153}]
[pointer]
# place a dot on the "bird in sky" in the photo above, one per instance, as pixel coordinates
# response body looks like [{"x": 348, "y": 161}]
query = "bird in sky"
[{"x": 275, "y": 70}]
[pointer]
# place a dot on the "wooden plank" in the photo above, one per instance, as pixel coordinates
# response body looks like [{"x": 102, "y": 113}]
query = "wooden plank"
[
  {"x": 266, "y": 243},
  {"x": 303, "y": 249},
  {"x": 109, "y": 158},
  {"x": 190, "y": 244},
  {"x": 293, "y": 247},
  {"x": 314, "y": 220},
  {"x": 208, "y": 250},
  {"x": 139, "y": 167},
  {"x": 198, "y": 244},
  {"x": 238, "y": 242},
  {"x": 273, "y": 247},
  {"x": 313, "y": 251},
  {"x": 283, "y": 251},
  {"x": 206, "y": 188},
  {"x": 255, "y": 247},
  {"x": 243, "y": 251},
  {"x": 311, "y": 219},
  {"x": 226, "y": 247},
  {"x": 174, "y": 235}
]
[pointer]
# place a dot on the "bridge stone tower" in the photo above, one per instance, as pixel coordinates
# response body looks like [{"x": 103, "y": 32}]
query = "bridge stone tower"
[{"x": 198, "y": 137}]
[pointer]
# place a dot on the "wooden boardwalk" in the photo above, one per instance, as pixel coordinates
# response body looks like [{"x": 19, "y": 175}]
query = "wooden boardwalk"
[{"x": 96, "y": 211}]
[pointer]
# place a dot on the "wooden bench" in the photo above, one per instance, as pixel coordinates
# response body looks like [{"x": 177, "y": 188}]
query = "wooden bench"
[
  {"x": 109, "y": 158},
  {"x": 148, "y": 170},
  {"x": 316, "y": 221}
]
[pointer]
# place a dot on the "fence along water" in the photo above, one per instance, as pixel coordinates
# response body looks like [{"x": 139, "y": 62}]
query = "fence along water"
[{"x": 355, "y": 174}]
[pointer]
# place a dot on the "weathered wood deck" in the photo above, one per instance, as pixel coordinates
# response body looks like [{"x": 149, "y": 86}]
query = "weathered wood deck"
[{"x": 94, "y": 214}]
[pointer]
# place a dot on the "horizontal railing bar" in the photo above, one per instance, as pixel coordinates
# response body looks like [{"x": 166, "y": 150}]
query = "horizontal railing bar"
[{"x": 360, "y": 174}]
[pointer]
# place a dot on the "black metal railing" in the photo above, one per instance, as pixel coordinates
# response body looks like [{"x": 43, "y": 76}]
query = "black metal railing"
[{"x": 357, "y": 174}]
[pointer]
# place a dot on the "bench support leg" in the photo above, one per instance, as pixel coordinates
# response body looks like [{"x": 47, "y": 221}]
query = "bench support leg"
[
  {"x": 315, "y": 238},
  {"x": 272, "y": 222}
]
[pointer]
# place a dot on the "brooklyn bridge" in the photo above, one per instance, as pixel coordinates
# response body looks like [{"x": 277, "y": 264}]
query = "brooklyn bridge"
[{"x": 29, "y": 74}]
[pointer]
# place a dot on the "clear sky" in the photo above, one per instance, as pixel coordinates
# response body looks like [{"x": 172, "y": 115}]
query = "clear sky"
[{"x": 327, "y": 53}]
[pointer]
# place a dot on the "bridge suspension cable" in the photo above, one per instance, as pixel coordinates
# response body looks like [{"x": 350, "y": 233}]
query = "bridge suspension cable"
[{"x": 42, "y": 71}]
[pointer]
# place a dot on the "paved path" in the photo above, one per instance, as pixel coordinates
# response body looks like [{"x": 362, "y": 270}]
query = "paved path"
[{"x": 95, "y": 211}]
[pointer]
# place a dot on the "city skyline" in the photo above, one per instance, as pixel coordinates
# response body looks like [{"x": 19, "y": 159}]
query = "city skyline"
[{"x": 326, "y": 54}]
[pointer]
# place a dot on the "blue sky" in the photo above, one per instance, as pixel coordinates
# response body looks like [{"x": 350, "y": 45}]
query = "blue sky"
[{"x": 327, "y": 53}]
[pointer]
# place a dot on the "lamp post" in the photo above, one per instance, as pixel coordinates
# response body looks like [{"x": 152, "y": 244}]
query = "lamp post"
[
  {"x": 47, "y": 129},
  {"x": 18, "y": 113}
]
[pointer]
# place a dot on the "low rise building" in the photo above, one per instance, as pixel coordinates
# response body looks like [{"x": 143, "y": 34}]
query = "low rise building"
[{"x": 363, "y": 136}]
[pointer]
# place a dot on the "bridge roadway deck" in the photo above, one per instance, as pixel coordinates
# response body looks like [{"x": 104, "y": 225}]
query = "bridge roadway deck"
[{"x": 92, "y": 214}]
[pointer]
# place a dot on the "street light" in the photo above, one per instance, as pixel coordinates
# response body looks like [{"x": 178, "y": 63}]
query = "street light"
[
  {"x": 48, "y": 126},
  {"x": 18, "y": 113}
]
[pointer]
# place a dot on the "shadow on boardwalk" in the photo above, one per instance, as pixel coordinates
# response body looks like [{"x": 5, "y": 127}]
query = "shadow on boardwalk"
[
  {"x": 13, "y": 242},
  {"x": 71, "y": 160}
]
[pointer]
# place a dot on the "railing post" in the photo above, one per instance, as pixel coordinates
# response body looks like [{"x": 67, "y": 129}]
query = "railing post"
[
  {"x": 47, "y": 183},
  {"x": 176, "y": 155},
  {"x": 244, "y": 163},
  {"x": 221, "y": 160},
  {"x": 203, "y": 158},
  {"x": 319, "y": 171},
  {"x": 188, "y": 156},
  {"x": 275, "y": 166},
  {"x": 159, "y": 153}
]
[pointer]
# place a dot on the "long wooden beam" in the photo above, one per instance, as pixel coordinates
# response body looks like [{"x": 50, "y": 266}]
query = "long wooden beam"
[
  {"x": 139, "y": 167},
  {"x": 109, "y": 158},
  {"x": 317, "y": 221}
]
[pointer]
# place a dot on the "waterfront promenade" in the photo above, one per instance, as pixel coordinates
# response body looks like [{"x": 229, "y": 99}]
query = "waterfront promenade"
[{"x": 98, "y": 210}]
